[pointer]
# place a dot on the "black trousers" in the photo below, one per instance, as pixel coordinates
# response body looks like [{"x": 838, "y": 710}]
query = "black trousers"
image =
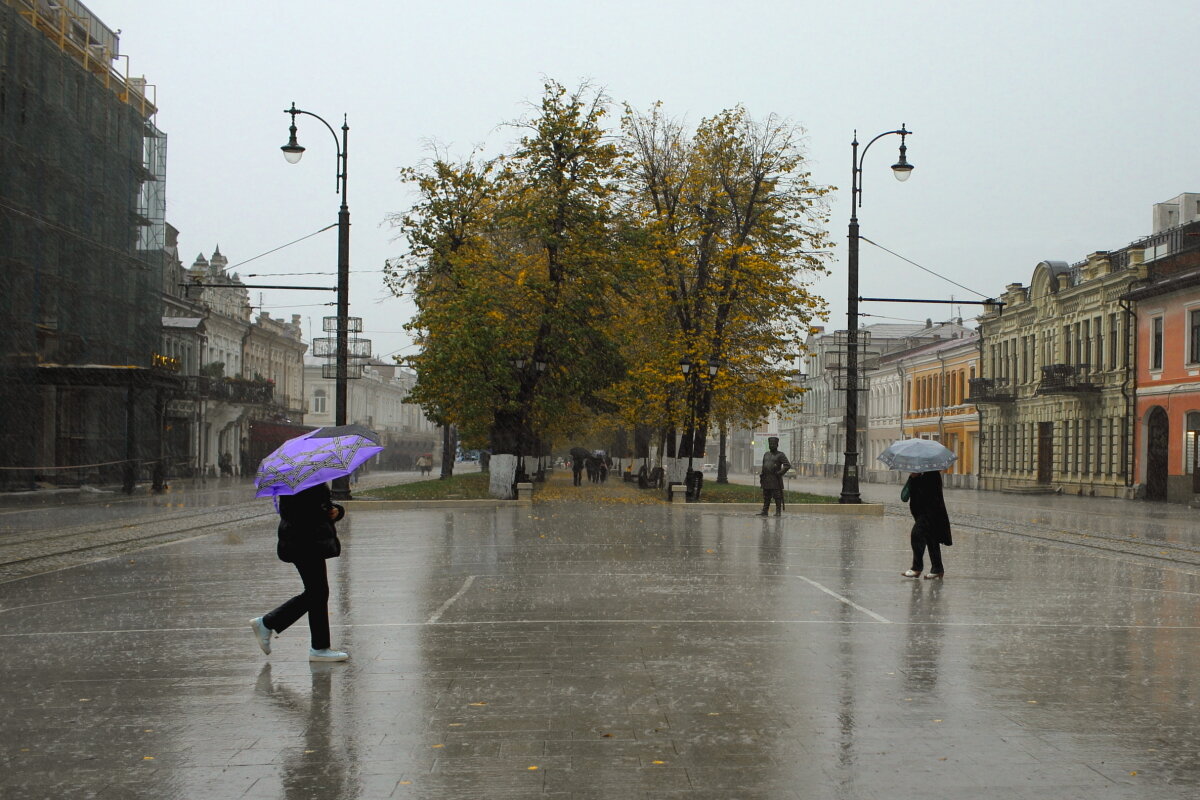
[
  {"x": 920, "y": 542},
  {"x": 314, "y": 601}
]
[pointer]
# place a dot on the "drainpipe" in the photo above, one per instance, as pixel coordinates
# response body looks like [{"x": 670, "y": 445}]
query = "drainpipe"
[
  {"x": 982, "y": 438},
  {"x": 1130, "y": 396},
  {"x": 1129, "y": 382},
  {"x": 942, "y": 400}
]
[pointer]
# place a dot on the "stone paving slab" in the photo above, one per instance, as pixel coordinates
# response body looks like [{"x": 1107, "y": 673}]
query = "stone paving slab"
[{"x": 607, "y": 650}]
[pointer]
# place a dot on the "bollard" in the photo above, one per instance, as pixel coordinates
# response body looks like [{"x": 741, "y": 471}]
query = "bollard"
[
  {"x": 678, "y": 493},
  {"x": 525, "y": 492}
]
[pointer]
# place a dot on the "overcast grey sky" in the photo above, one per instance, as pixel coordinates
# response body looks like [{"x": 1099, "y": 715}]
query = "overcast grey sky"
[{"x": 1042, "y": 130}]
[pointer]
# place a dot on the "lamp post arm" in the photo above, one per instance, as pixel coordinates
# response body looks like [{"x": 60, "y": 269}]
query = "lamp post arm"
[
  {"x": 340, "y": 146},
  {"x": 859, "y": 160}
]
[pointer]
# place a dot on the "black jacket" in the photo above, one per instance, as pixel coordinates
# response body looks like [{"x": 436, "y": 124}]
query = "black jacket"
[
  {"x": 928, "y": 508},
  {"x": 305, "y": 530}
]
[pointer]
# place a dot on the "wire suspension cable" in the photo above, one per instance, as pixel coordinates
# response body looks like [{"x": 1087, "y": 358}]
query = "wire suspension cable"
[
  {"x": 277, "y": 249},
  {"x": 924, "y": 269}
]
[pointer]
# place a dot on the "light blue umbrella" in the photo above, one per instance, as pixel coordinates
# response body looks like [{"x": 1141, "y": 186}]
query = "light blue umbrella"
[{"x": 917, "y": 455}]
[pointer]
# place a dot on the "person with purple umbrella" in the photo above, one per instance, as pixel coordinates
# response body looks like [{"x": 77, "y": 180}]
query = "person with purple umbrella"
[
  {"x": 295, "y": 475},
  {"x": 307, "y": 537}
]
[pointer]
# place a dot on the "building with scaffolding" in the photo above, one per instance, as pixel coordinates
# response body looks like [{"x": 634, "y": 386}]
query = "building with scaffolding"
[{"x": 82, "y": 238}]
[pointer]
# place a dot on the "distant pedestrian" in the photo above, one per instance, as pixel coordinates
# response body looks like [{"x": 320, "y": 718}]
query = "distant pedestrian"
[
  {"x": 307, "y": 537},
  {"x": 931, "y": 523},
  {"x": 576, "y": 470},
  {"x": 425, "y": 464},
  {"x": 774, "y": 465}
]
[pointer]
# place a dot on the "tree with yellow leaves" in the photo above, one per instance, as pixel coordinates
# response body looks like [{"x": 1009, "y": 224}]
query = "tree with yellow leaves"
[
  {"x": 513, "y": 270},
  {"x": 730, "y": 235}
]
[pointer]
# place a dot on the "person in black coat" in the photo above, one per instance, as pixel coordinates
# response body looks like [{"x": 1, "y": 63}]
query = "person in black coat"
[
  {"x": 307, "y": 537},
  {"x": 931, "y": 524}
]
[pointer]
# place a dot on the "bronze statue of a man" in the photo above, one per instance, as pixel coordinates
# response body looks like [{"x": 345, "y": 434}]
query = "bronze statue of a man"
[{"x": 774, "y": 465}]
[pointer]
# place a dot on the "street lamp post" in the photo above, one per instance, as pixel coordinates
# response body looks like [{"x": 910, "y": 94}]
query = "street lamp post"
[
  {"x": 293, "y": 151},
  {"x": 901, "y": 170}
]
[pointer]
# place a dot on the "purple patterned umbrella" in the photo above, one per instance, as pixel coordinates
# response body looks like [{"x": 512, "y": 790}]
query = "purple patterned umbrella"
[{"x": 316, "y": 457}]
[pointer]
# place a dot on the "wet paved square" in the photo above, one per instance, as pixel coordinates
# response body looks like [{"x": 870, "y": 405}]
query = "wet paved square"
[{"x": 607, "y": 651}]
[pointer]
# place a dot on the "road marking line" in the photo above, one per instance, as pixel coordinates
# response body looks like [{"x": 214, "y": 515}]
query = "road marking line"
[
  {"x": 846, "y": 600},
  {"x": 444, "y": 607}
]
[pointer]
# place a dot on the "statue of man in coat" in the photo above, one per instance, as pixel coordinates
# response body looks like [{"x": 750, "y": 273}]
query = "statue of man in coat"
[{"x": 774, "y": 465}]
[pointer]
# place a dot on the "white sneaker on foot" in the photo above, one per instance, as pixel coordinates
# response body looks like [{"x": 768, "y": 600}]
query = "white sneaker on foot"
[
  {"x": 910, "y": 573},
  {"x": 931, "y": 576},
  {"x": 262, "y": 634},
  {"x": 327, "y": 655}
]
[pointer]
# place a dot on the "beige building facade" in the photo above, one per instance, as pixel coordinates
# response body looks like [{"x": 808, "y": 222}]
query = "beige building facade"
[{"x": 1056, "y": 386}]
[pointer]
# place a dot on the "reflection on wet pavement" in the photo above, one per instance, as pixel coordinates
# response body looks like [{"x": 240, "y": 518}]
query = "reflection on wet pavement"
[{"x": 575, "y": 649}]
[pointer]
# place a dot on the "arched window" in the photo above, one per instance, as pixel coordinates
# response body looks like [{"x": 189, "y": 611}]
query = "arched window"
[{"x": 319, "y": 401}]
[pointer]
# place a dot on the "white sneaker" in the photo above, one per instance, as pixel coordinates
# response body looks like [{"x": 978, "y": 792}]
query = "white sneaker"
[
  {"x": 910, "y": 573},
  {"x": 262, "y": 634},
  {"x": 327, "y": 655}
]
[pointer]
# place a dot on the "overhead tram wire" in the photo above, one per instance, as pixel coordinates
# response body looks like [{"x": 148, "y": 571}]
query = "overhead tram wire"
[
  {"x": 277, "y": 249},
  {"x": 924, "y": 269}
]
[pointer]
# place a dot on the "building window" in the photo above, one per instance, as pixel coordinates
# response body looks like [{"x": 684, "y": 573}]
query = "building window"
[
  {"x": 1194, "y": 336},
  {"x": 319, "y": 401},
  {"x": 1189, "y": 441},
  {"x": 1112, "y": 341},
  {"x": 1156, "y": 343}
]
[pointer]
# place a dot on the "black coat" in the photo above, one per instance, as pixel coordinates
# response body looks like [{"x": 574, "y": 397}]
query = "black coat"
[
  {"x": 305, "y": 530},
  {"x": 928, "y": 508}
]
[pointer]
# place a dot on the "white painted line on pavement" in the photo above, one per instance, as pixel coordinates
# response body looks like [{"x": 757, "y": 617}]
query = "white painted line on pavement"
[
  {"x": 444, "y": 607},
  {"x": 845, "y": 600}
]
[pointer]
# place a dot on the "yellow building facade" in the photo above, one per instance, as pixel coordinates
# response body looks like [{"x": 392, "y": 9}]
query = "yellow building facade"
[{"x": 938, "y": 405}]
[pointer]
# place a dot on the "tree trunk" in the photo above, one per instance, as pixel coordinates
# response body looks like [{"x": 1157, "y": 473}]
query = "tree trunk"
[
  {"x": 449, "y": 449},
  {"x": 722, "y": 464}
]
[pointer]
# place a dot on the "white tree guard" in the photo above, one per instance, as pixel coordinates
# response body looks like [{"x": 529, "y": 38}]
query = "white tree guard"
[{"x": 503, "y": 471}]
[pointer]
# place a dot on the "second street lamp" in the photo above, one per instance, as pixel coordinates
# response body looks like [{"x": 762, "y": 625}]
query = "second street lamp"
[
  {"x": 293, "y": 152},
  {"x": 901, "y": 169}
]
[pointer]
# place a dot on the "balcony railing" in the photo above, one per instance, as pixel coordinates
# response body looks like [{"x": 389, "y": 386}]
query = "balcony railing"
[
  {"x": 1066, "y": 379},
  {"x": 991, "y": 390},
  {"x": 232, "y": 390}
]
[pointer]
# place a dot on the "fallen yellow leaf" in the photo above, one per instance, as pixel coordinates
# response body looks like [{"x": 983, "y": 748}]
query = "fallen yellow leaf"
[
  {"x": 532, "y": 768},
  {"x": 436, "y": 746}
]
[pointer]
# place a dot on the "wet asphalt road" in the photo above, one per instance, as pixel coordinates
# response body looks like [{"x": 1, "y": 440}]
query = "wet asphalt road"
[{"x": 593, "y": 645}]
